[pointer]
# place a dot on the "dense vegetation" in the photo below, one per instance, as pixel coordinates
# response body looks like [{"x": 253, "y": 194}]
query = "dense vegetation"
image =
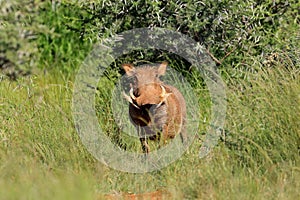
[{"x": 255, "y": 45}]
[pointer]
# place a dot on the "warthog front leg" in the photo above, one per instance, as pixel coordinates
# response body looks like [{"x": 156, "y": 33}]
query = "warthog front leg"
[{"x": 145, "y": 145}]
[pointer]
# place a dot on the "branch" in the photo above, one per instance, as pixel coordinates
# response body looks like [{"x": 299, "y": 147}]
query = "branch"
[{"x": 213, "y": 57}]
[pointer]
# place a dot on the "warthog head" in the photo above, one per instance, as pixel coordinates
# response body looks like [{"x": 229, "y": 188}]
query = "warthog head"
[{"x": 156, "y": 109}]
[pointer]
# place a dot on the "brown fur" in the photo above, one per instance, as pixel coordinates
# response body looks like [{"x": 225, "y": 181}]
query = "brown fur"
[{"x": 156, "y": 114}]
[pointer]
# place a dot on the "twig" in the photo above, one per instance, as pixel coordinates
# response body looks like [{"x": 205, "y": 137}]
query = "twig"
[
  {"x": 213, "y": 57},
  {"x": 220, "y": 61},
  {"x": 227, "y": 54}
]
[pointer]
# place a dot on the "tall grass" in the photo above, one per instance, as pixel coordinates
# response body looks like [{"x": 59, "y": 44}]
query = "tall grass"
[{"x": 41, "y": 155}]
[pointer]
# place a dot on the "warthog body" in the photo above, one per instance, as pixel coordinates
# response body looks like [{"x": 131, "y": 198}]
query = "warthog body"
[{"x": 157, "y": 110}]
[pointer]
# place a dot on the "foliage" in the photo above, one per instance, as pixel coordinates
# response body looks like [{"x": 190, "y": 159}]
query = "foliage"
[
  {"x": 59, "y": 34},
  {"x": 19, "y": 25},
  {"x": 34, "y": 35}
]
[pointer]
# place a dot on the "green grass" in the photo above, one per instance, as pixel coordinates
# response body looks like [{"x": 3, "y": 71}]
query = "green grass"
[{"x": 42, "y": 157}]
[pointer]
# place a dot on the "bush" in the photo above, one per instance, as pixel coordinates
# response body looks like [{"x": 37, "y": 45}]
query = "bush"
[
  {"x": 59, "y": 34},
  {"x": 233, "y": 31},
  {"x": 19, "y": 28}
]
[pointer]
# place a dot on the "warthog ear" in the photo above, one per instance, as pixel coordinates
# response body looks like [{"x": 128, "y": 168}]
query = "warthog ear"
[
  {"x": 129, "y": 69},
  {"x": 162, "y": 68}
]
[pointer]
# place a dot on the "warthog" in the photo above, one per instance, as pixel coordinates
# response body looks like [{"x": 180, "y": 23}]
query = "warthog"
[{"x": 157, "y": 110}]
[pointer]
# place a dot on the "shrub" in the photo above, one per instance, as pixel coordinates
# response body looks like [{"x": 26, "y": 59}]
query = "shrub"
[{"x": 59, "y": 34}]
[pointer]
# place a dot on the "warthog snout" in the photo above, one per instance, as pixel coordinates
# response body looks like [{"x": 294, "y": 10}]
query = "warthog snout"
[{"x": 157, "y": 110}]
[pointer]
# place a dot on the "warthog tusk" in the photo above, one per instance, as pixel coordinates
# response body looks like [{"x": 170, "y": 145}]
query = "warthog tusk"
[
  {"x": 163, "y": 91},
  {"x": 129, "y": 99},
  {"x": 131, "y": 94},
  {"x": 164, "y": 95}
]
